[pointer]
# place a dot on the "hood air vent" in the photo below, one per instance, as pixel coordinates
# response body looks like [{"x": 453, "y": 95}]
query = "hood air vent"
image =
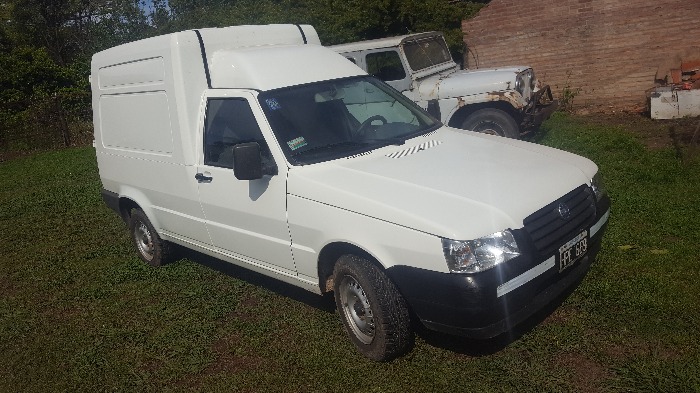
[{"x": 414, "y": 149}]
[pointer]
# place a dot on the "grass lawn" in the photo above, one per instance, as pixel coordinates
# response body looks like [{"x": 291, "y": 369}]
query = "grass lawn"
[{"x": 80, "y": 312}]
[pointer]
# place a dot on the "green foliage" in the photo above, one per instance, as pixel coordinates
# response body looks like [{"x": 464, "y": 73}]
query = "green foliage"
[
  {"x": 336, "y": 21},
  {"x": 71, "y": 30},
  {"x": 38, "y": 99},
  {"x": 567, "y": 95},
  {"x": 46, "y": 46},
  {"x": 29, "y": 73},
  {"x": 116, "y": 22},
  {"x": 45, "y": 49}
]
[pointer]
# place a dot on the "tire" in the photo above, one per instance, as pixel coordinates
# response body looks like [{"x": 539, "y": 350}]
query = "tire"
[
  {"x": 492, "y": 121},
  {"x": 373, "y": 312},
  {"x": 149, "y": 246}
]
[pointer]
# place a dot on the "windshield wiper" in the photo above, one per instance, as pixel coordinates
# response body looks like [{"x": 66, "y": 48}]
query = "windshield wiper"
[
  {"x": 329, "y": 146},
  {"x": 386, "y": 141}
]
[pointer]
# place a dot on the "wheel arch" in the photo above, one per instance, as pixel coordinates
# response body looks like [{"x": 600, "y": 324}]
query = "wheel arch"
[
  {"x": 125, "y": 206},
  {"x": 329, "y": 256},
  {"x": 462, "y": 113},
  {"x": 131, "y": 198}
]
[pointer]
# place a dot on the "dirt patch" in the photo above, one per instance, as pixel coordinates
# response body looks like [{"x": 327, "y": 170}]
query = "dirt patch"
[
  {"x": 635, "y": 350},
  {"x": 621, "y": 352},
  {"x": 247, "y": 309},
  {"x": 226, "y": 361},
  {"x": 560, "y": 316},
  {"x": 8, "y": 288},
  {"x": 11, "y": 155},
  {"x": 585, "y": 374},
  {"x": 8, "y": 155},
  {"x": 655, "y": 134},
  {"x": 152, "y": 366}
]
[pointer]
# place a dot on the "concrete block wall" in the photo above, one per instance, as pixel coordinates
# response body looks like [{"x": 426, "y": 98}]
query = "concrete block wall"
[{"x": 606, "y": 52}]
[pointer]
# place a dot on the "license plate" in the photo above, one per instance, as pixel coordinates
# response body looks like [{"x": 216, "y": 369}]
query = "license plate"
[{"x": 573, "y": 250}]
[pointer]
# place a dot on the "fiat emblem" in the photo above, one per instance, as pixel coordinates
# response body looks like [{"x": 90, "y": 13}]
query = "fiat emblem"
[{"x": 564, "y": 211}]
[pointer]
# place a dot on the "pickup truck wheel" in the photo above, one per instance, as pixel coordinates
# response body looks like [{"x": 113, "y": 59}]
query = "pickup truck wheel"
[
  {"x": 149, "y": 246},
  {"x": 373, "y": 311},
  {"x": 492, "y": 121}
]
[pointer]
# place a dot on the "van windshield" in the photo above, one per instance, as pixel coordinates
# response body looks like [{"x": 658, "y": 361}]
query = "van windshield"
[
  {"x": 426, "y": 52},
  {"x": 339, "y": 118}
]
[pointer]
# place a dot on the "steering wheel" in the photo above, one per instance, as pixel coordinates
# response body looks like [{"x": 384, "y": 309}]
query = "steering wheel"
[{"x": 362, "y": 130}]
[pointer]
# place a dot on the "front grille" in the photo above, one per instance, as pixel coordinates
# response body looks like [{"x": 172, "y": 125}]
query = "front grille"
[{"x": 548, "y": 229}]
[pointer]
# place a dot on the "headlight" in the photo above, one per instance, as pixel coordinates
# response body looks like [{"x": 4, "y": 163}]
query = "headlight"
[
  {"x": 473, "y": 256},
  {"x": 525, "y": 79},
  {"x": 519, "y": 83},
  {"x": 597, "y": 186}
]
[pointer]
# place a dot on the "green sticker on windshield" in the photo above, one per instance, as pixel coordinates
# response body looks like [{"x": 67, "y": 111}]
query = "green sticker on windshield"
[{"x": 297, "y": 143}]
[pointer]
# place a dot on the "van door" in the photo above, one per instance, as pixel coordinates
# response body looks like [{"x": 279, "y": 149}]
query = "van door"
[{"x": 246, "y": 219}]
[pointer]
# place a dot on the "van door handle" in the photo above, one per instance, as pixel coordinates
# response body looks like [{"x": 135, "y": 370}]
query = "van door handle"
[{"x": 202, "y": 178}]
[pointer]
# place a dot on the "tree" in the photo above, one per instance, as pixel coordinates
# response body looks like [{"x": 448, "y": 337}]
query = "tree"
[
  {"x": 74, "y": 29},
  {"x": 337, "y": 21},
  {"x": 32, "y": 90},
  {"x": 46, "y": 45}
]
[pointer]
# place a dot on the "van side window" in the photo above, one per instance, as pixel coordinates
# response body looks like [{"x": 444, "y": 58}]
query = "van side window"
[
  {"x": 228, "y": 122},
  {"x": 385, "y": 65}
]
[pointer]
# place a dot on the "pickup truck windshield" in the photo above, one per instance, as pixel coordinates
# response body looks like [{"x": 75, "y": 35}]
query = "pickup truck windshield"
[
  {"x": 426, "y": 52},
  {"x": 333, "y": 119}
]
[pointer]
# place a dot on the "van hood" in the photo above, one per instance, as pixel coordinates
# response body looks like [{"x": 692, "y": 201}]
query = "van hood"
[
  {"x": 444, "y": 182},
  {"x": 468, "y": 82}
]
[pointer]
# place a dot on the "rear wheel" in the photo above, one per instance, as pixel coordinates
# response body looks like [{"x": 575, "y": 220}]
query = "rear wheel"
[
  {"x": 149, "y": 246},
  {"x": 492, "y": 121},
  {"x": 374, "y": 313}
]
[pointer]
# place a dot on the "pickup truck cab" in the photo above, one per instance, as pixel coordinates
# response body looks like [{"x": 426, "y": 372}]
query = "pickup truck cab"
[
  {"x": 327, "y": 178},
  {"x": 506, "y": 101}
]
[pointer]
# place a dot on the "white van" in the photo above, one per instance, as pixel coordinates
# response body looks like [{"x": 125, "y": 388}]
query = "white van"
[{"x": 258, "y": 146}]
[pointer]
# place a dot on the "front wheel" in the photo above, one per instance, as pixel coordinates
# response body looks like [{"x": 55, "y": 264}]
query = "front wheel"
[
  {"x": 492, "y": 121},
  {"x": 374, "y": 313}
]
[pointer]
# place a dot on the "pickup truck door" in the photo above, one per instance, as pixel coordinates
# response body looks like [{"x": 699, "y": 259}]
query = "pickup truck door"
[
  {"x": 386, "y": 64},
  {"x": 246, "y": 219}
]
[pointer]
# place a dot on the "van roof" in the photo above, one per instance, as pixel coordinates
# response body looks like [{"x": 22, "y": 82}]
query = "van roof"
[
  {"x": 252, "y": 57},
  {"x": 381, "y": 42},
  {"x": 266, "y": 68}
]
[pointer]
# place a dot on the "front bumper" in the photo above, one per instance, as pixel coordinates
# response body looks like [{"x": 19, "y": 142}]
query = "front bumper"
[
  {"x": 541, "y": 109},
  {"x": 486, "y": 304}
]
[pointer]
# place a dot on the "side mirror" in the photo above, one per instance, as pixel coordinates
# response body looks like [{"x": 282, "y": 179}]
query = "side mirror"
[{"x": 247, "y": 162}]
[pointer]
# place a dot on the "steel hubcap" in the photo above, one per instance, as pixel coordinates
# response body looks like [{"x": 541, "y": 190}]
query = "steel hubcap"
[{"x": 357, "y": 310}]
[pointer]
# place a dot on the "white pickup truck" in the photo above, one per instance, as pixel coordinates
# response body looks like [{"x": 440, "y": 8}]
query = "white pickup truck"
[
  {"x": 328, "y": 179},
  {"x": 505, "y": 101}
]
